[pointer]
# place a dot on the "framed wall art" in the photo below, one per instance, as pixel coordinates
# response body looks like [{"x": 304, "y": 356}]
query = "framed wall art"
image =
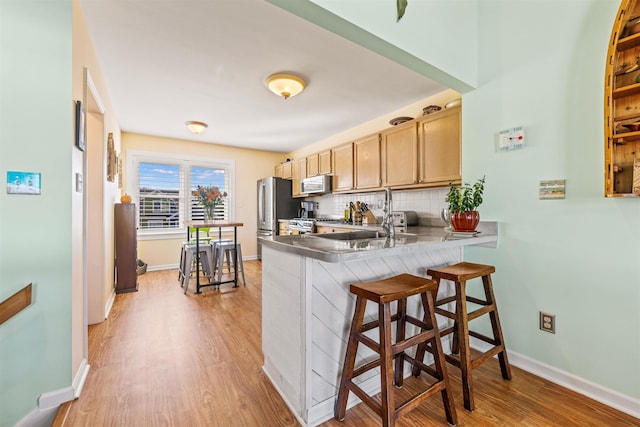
[
  {"x": 23, "y": 182},
  {"x": 112, "y": 159},
  {"x": 81, "y": 126}
]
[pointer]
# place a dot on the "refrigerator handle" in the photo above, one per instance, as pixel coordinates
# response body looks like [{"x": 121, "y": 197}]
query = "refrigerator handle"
[{"x": 261, "y": 203}]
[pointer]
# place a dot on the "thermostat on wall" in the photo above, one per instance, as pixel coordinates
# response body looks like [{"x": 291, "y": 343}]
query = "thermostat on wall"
[{"x": 510, "y": 139}]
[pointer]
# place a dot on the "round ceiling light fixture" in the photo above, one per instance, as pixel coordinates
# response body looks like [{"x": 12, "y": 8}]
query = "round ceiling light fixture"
[
  {"x": 285, "y": 85},
  {"x": 196, "y": 127}
]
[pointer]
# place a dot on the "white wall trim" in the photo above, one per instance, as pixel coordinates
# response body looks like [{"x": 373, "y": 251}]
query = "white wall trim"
[
  {"x": 162, "y": 267},
  {"x": 38, "y": 418},
  {"x": 606, "y": 396},
  {"x": 107, "y": 308},
  {"x": 55, "y": 398},
  {"x": 81, "y": 377}
]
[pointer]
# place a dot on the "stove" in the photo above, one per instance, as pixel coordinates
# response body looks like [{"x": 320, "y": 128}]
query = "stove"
[{"x": 302, "y": 226}]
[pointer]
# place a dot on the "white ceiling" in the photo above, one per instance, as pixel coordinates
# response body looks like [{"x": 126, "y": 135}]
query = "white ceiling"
[{"x": 166, "y": 62}]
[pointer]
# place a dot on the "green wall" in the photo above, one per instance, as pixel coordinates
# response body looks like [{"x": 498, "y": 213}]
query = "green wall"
[
  {"x": 578, "y": 258},
  {"x": 421, "y": 31},
  {"x": 540, "y": 64},
  {"x": 36, "y": 135},
  {"x": 419, "y": 35}
]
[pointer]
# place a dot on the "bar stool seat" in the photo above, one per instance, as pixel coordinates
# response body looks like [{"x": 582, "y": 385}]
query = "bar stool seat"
[
  {"x": 225, "y": 249},
  {"x": 461, "y": 353},
  {"x": 384, "y": 292},
  {"x": 187, "y": 261}
]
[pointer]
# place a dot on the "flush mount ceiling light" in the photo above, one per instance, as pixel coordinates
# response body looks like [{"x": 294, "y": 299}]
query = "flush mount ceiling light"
[
  {"x": 196, "y": 127},
  {"x": 285, "y": 85}
]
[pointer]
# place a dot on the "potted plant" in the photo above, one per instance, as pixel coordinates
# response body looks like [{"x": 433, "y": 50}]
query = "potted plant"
[{"x": 463, "y": 201}]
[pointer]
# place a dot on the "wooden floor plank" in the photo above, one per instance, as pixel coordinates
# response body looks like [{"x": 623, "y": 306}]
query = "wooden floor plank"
[{"x": 168, "y": 359}]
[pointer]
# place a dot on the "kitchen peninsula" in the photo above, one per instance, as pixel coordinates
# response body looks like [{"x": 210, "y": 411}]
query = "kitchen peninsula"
[{"x": 307, "y": 306}]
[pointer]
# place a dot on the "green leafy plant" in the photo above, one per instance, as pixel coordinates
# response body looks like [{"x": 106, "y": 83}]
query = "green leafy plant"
[{"x": 465, "y": 197}]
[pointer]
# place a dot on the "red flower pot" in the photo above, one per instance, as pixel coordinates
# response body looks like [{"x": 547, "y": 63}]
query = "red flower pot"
[{"x": 465, "y": 221}]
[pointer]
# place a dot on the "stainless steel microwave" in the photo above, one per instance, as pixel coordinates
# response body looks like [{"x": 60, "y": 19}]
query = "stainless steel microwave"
[{"x": 316, "y": 184}]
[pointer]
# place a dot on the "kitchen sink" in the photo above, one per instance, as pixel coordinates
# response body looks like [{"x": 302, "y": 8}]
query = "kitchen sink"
[{"x": 352, "y": 235}]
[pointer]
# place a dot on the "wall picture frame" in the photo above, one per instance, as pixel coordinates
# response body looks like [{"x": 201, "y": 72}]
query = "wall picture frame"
[
  {"x": 112, "y": 158},
  {"x": 81, "y": 126},
  {"x": 23, "y": 183}
]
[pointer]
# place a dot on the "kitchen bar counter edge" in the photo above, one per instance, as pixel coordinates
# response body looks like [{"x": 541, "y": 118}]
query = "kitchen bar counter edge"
[{"x": 325, "y": 249}]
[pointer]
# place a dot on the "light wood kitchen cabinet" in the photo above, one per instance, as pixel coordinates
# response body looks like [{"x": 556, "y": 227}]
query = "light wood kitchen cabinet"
[
  {"x": 298, "y": 173},
  {"x": 286, "y": 170},
  {"x": 322, "y": 229},
  {"x": 312, "y": 165},
  {"x": 277, "y": 172},
  {"x": 399, "y": 147},
  {"x": 283, "y": 228},
  {"x": 342, "y": 160},
  {"x": 439, "y": 147},
  {"x": 366, "y": 162},
  {"x": 324, "y": 163}
]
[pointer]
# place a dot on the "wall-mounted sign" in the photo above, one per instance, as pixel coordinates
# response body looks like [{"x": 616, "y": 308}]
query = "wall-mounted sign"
[
  {"x": 23, "y": 182},
  {"x": 553, "y": 189}
]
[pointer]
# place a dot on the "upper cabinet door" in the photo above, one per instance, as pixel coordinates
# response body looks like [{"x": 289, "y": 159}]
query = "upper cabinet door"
[
  {"x": 324, "y": 163},
  {"x": 440, "y": 146},
  {"x": 367, "y": 162},
  {"x": 298, "y": 173},
  {"x": 286, "y": 170},
  {"x": 312, "y": 165},
  {"x": 400, "y": 155},
  {"x": 343, "y": 167}
]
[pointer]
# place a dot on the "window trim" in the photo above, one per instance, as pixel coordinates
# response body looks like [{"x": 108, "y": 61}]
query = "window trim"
[{"x": 140, "y": 156}]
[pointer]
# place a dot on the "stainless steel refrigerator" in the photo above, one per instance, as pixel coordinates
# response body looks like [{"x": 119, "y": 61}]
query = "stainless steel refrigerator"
[{"x": 274, "y": 203}]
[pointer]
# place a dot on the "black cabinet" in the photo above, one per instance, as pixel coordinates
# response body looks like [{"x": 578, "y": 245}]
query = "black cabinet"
[{"x": 126, "y": 250}]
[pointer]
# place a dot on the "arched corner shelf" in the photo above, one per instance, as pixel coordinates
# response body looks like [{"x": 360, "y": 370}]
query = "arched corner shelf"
[{"x": 622, "y": 104}]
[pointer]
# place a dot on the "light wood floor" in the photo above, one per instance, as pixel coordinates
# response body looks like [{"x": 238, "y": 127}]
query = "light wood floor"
[{"x": 166, "y": 359}]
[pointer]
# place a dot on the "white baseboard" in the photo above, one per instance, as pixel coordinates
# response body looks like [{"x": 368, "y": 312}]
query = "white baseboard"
[
  {"x": 81, "y": 377},
  {"x": 55, "y": 398},
  {"x": 38, "y": 418},
  {"x": 107, "y": 308},
  {"x": 162, "y": 267},
  {"x": 175, "y": 266},
  {"x": 612, "y": 398}
]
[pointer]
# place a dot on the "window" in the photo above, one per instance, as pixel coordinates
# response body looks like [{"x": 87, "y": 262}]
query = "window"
[{"x": 163, "y": 186}]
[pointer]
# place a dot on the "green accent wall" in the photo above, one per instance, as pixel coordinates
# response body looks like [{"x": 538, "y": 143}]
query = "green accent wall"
[
  {"x": 411, "y": 40},
  {"x": 540, "y": 64},
  {"x": 36, "y": 135},
  {"x": 578, "y": 258}
]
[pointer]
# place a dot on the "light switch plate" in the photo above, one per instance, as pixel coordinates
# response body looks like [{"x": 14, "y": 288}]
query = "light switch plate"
[{"x": 78, "y": 183}]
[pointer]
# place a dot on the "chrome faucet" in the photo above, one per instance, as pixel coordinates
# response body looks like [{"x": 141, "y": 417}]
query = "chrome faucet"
[{"x": 387, "y": 219}]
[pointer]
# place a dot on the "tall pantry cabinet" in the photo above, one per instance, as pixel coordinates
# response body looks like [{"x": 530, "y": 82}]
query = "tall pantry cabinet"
[{"x": 126, "y": 248}]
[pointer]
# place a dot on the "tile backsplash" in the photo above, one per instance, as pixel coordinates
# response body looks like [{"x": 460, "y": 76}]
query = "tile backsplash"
[{"x": 427, "y": 203}]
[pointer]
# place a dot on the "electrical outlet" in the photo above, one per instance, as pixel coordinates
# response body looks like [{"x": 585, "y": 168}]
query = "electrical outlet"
[{"x": 548, "y": 322}]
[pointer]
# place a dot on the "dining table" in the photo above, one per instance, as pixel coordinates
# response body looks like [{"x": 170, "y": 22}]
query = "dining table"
[{"x": 197, "y": 225}]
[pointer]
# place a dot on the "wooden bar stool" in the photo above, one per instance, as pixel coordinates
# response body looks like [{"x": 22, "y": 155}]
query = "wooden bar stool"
[
  {"x": 461, "y": 353},
  {"x": 383, "y": 293}
]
